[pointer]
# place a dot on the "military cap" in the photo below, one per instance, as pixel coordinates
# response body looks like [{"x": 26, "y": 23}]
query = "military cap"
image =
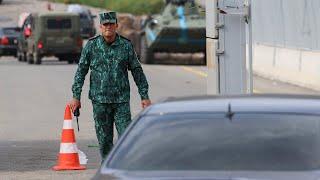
[{"x": 108, "y": 17}]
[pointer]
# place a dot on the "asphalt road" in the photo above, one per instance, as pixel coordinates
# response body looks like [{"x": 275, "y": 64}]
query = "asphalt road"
[{"x": 32, "y": 105}]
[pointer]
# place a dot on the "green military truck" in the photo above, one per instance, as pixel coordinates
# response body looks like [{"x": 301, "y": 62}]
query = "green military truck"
[{"x": 50, "y": 34}]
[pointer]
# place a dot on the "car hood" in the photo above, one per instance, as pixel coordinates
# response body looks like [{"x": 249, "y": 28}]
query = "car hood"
[{"x": 208, "y": 175}]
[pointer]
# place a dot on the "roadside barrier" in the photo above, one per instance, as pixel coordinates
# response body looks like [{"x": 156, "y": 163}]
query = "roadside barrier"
[{"x": 68, "y": 156}]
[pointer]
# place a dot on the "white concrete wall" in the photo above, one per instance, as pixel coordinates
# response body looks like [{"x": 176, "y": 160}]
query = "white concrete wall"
[
  {"x": 296, "y": 66},
  {"x": 286, "y": 37}
]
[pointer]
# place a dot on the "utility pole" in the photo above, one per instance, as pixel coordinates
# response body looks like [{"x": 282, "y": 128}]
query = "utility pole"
[{"x": 226, "y": 22}]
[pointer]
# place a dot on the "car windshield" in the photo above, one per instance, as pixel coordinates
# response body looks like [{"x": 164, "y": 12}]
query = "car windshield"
[
  {"x": 59, "y": 23},
  {"x": 260, "y": 142}
]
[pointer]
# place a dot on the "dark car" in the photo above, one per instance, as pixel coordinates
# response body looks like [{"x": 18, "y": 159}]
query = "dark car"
[
  {"x": 8, "y": 41},
  {"x": 255, "y": 137},
  {"x": 87, "y": 28}
]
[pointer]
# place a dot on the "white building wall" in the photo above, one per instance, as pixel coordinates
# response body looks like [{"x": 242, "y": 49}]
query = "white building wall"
[{"x": 286, "y": 38}]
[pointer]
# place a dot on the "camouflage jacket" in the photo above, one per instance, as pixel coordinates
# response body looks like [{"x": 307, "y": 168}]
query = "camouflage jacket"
[{"x": 109, "y": 65}]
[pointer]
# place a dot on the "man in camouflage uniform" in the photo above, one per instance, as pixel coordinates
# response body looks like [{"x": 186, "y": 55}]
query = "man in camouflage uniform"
[{"x": 109, "y": 56}]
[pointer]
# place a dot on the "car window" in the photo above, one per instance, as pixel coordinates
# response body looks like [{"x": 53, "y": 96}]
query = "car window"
[
  {"x": 11, "y": 31},
  {"x": 27, "y": 22},
  {"x": 260, "y": 142},
  {"x": 83, "y": 16},
  {"x": 59, "y": 23}
]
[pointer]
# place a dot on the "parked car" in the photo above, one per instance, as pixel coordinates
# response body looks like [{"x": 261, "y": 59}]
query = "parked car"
[
  {"x": 269, "y": 137},
  {"x": 50, "y": 34},
  {"x": 87, "y": 28},
  {"x": 8, "y": 41}
]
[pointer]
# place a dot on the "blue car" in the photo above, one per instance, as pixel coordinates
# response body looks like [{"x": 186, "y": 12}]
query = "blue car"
[{"x": 254, "y": 137}]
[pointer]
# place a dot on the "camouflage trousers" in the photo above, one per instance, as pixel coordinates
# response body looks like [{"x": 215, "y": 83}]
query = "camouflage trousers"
[{"x": 104, "y": 116}]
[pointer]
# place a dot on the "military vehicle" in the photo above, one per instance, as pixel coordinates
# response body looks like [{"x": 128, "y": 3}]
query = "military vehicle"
[
  {"x": 87, "y": 28},
  {"x": 50, "y": 34},
  {"x": 180, "y": 28}
]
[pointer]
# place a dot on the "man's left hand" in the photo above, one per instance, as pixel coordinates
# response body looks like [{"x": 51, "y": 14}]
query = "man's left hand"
[{"x": 145, "y": 103}]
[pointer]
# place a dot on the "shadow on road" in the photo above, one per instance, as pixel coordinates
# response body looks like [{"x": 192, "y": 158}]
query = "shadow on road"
[{"x": 41, "y": 155}]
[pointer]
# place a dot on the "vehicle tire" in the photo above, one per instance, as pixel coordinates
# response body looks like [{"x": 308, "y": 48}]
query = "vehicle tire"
[
  {"x": 36, "y": 58},
  {"x": 61, "y": 58},
  {"x": 30, "y": 59},
  {"x": 205, "y": 58},
  {"x": 70, "y": 61},
  {"x": 23, "y": 57},
  {"x": 19, "y": 56},
  {"x": 77, "y": 58},
  {"x": 146, "y": 54}
]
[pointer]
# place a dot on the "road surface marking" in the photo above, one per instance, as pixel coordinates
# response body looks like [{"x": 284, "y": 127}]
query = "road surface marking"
[
  {"x": 200, "y": 73},
  {"x": 203, "y": 74}
]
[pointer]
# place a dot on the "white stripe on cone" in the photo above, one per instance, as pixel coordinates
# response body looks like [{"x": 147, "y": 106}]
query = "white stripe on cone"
[
  {"x": 67, "y": 124},
  {"x": 68, "y": 148}
]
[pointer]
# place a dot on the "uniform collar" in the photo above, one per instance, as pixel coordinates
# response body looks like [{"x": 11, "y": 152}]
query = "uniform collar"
[{"x": 115, "y": 43}]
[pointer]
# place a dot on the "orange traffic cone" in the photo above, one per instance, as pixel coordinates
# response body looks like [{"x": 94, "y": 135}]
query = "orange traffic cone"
[{"x": 68, "y": 156}]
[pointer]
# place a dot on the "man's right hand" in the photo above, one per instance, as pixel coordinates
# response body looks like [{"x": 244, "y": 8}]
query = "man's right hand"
[{"x": 74, "y": 104}]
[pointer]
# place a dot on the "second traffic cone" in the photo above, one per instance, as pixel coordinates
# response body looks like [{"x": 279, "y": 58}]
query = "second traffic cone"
[{"x": 68, "y": 156}]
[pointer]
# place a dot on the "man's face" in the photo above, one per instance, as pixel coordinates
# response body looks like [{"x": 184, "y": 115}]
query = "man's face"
[{"x": 108, "y": 29}]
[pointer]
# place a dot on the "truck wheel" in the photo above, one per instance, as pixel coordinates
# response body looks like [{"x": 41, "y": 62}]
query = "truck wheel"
[
  {"x": 30, "y": 59},
  {"x": 146, "y": 54},
  {"x": 19, "y": 56},
  {"x": 70, "y": 61},
  {"x": 36, "y": 58},
  {"x": 61, "y": 57},
  {"x": 23, "y": 57},
  {"x": 77, "y": 58}
]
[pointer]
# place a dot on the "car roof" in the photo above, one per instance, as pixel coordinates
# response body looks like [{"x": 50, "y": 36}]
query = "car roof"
[
  {"x": 299, "y": 104},
  {"x": 77, "y": 8},
  {"x": 9, "y": 28},
  {"x": 53, "y": 14}
]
